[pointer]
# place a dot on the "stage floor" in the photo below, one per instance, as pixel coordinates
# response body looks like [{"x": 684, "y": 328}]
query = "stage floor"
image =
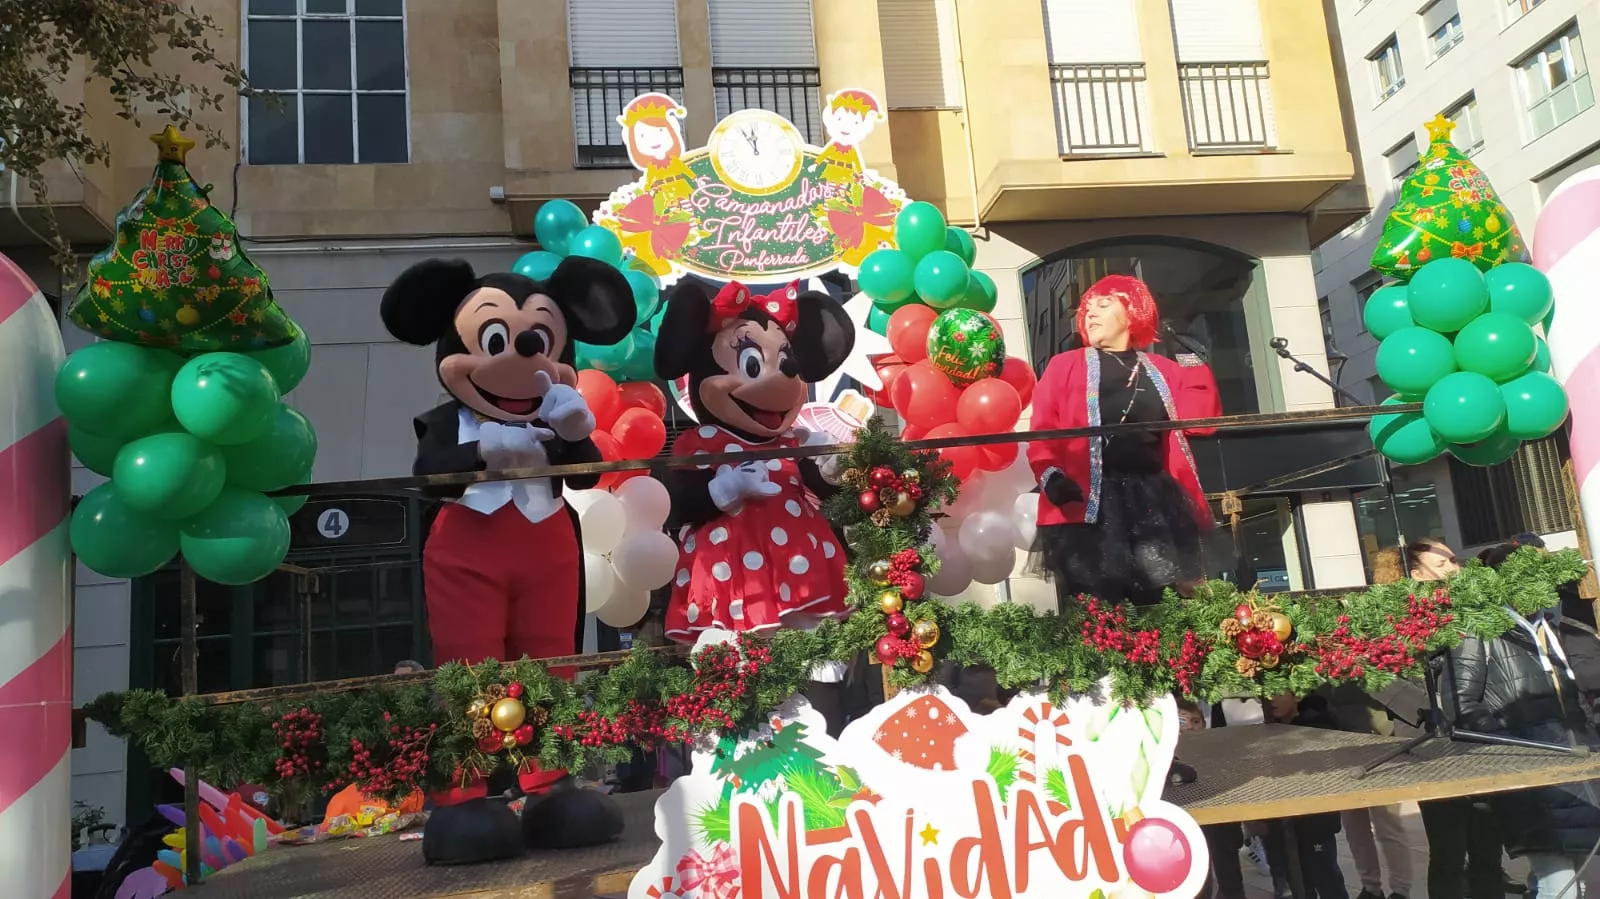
[{"x": 1246, "y": 774}]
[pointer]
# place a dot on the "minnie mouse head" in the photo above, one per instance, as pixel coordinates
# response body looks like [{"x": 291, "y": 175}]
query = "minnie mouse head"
[
  {"x": 749, "y": 358},
  {"x": 496, "y": 332}
]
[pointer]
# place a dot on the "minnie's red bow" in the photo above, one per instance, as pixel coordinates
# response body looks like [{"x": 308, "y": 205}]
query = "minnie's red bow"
[{"x": 733, "y": 299}]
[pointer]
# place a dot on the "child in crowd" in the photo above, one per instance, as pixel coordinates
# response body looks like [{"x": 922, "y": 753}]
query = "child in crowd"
[
  {"x": 1223, "y": 840},
  {"x": 1316, "y": 836}
]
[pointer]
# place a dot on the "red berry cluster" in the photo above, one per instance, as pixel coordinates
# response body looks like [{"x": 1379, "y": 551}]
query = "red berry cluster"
[
  {"x": 397, "y": 766},
  {"x": 1342, "y": 655},
  {"x": 299, "y": 739},
  {"x": 1106, "y": 629},
  {"x": 905, "y": 572},
  {"x": 1191, "y": 660}
]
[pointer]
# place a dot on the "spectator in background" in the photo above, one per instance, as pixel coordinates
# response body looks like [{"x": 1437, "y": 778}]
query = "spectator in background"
[
  {"x": 1315, "y": 836},
  {"x": 408, "y": 667},
  {"x": 1223, "y": 840}
]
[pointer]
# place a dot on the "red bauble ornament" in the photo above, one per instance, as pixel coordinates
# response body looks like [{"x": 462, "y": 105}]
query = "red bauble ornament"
[
  {"x": 1253, "y": 644},
  {"x": 888, "y": 650},
  {"x": 869, "y": 501},
  {"x": 524, "y": 734},
  {"x": 1157, "y": 856},
  {"x": 1242, "y": 613},
  {"x": 898, "y": 625},
  {"x": 912, "y": 586},
  {"x": 881, "y": 477},
  {"x": 490, "y": 744},
  {"x": 514, "y": 691}
]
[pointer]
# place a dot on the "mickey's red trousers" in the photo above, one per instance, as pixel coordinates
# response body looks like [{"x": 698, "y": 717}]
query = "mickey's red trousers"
[{"x": 503, "y": 587}]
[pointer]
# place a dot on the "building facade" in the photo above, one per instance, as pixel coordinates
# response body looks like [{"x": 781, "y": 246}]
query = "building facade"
[
  {"x": 1513, "y": 75},
  {"x": 1200, "y": 144}
]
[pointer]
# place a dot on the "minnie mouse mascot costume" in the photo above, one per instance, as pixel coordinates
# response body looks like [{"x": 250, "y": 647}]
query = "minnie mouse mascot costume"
[
  {"x": 756, "y": 554},
  {"x": 503, "y": 564}
]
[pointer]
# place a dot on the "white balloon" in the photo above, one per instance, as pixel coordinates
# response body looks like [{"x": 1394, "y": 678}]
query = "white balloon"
[
  {"x": 645, "y": 560},
  {"x": 1020, "y": 473},
  {"x": 626, "y": 607},
  {"x": 1025, "y": 515},
  {"x": 970, "y": 497},
  {"x": 955, "y": 569},
  {"x": 999, "y": 495},
  {"x": 988, "y": 537},
  {"x": 993, "y": 571},
  {"x": 601, "y": 517},
  {"x": 647, "y": 503},
  {"x": 599, "y": 582}
]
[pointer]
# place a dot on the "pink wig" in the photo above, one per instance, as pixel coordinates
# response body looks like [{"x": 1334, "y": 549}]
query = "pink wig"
[{"x": 1136, "y": 301}]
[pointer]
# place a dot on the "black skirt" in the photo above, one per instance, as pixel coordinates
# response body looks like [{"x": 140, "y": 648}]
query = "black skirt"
[{"x": 1147, "y": 538}]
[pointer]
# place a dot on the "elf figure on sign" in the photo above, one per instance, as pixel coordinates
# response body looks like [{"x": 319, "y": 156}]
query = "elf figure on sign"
[{"x": 850, "y": 116}]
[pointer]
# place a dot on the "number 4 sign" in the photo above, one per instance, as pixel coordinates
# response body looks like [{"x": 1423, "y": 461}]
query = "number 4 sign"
[{"x": 333, "y": 523}]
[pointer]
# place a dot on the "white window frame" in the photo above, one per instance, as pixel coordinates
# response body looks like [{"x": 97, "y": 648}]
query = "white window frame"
[
  {"x": 1389, "y": 49},
  {"x": 1447, "y": 36},
  {"x": 299, "y": 17},
  {"x": 1577, "y": 82},
  {"x": 1466, "y": 108},
  {"x": 1399, "y": 177},
  {"x": 1516, "y": 9},
  {"x": 1365, "y": 286}
]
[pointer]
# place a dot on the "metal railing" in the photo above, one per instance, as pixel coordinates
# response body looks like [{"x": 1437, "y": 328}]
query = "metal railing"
[
  {"x": 598, "y": 96},
  {"x": 1100, "y": 107},
  {"x": 794, "y": 93},
  {"x": 1228, "y": 105}
]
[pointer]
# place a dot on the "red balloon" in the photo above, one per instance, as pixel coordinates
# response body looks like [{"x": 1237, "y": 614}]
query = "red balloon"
[
  {"x": 639, "y": 433},
  {"x": 908, "y": 331},
  {"x": 643, "y": 395},
  {"x": 600, "y": 392},
  {"x": 963, "y": 460},
  {"x": 1019, "y": 375},
  {"x": 888, "y": 367},
  {"x": 997, "y": 457},
  {"x": 910, "y": 432},
  {"x": 607, "y": 445},
  {"x": 989, "y": 406},
  {"x": 924, "y": 396}
]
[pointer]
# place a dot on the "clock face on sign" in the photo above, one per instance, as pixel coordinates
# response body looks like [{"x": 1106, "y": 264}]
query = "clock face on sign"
[{"x": 757, "y": 152}]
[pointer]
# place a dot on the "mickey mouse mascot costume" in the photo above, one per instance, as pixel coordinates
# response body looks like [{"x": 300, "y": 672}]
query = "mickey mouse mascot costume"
[{"x": 756, "y": 554}]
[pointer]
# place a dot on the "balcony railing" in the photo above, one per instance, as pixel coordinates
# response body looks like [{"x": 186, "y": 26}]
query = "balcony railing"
[
  {"x": 1228, "y": 105},
  {"x": 794, "y": 93},
  {"x": 598, "y": 96},
  {"x": 1101, "y": 108}
]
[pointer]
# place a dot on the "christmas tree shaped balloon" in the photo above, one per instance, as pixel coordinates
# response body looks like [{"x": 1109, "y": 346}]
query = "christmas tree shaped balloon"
[
  {"x": 1446, "y": 209},
  {"x": 176, "y": 276}
]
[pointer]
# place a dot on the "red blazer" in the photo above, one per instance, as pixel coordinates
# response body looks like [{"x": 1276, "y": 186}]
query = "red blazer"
[{"x": 1061, "y": 401}]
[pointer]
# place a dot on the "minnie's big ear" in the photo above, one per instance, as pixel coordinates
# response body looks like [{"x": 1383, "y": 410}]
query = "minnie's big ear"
[
  {"x": 420, "y": 305},
  {"x": 824, "y": 337},
  {"x": 682, "y": 335},
  {"x": 596, "y": 299}
]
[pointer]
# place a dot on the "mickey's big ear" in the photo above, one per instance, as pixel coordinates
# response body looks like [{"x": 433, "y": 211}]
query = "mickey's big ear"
[
  {"x": 682, "y": 335},
  {"x": 420, "y": 305},
  {"x": 824, "y": 337},
  {"x": 596, "y": 299}
]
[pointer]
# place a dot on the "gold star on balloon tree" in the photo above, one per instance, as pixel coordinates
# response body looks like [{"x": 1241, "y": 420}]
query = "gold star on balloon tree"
[{"x": 173, "y": 146}]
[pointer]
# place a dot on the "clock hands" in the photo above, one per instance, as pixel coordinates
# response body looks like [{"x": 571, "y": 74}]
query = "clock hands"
[{"x": 750, "y": 136}]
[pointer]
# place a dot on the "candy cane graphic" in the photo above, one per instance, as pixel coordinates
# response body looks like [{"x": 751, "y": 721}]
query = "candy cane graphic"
[
  {"x": 1035, "y": 716},
  {"x": 35, "y": 602},
  {"x": 1566, "y": 247}
]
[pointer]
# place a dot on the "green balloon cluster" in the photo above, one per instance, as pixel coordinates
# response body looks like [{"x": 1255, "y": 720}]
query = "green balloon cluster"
[
  {"x": 563, "y": 230},
  {"x": 191, "y": 447},
  {"x": 1461, "y": 342},
  {"x": 932, "y": 265}
]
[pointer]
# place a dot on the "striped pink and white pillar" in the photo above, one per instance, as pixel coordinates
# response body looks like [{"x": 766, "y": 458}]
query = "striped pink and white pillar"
[{"x": 35, "y": 600}]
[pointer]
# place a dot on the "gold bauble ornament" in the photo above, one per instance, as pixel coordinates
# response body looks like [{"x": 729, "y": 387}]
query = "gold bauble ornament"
[
  {"x": 1282, "y": 627},
  {"x": 925, "y": 632},
  {"x": 903, "y": 506},
  {"x": 923, "y": 663},
  {"x": 509, "y": 741},
  {"x": 477, "y": 709},
  {"x": 911, "y": 476},
  {"x": 878, "y": 572},
  {"x": 508, "y": 714},
  {"x": 889, "y": 601}
]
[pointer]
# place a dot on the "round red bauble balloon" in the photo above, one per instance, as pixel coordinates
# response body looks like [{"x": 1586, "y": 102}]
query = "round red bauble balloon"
[
  {"x": 609, "y": 452},
  {"x": 643, "y": 395},
  {"x": 1019, "y": 375},
  {"x": 912, "y": 587},
  {"x": 1242, "y": 613},
  {"x": 880, "y": 477},
  {"x": 898, "y": 625},
  {"x": 908, "y": 331},
  {"x": 639, "y": 433},
  {"x": 869, "y": 501},
  {"x": 1253, "y": 644},
  {"x": 888, "y": 650},
  {"x": 964, "y": 460},
  {"x": 910, "y": 432},
  {"x": 492, "y": 743},
  {"x": 1157, "y": 856},
  {"x": 988, "y": 406},
  {"x": 997, "y": 457},
  {"x": 924, "y": 396},
  {"x": 600, "y": 392}
]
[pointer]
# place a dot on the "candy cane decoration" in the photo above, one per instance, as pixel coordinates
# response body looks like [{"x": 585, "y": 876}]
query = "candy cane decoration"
[
  {"x": 1566, "y": 247},
  {"x": 1047, "y": 715},
  {"x": 666, "y": 889},
  {"x": 35, "y": 600}
]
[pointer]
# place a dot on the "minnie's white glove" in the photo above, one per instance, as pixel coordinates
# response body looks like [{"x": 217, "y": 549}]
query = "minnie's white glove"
[
  {"x": 564, "y": 409},
  {"x": 830, "y": 467},
  {"x": 512, "y": 445},
  {"x": 731, "y": 486}
]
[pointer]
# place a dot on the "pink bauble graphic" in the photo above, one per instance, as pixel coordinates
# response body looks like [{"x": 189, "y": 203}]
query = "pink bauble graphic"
[{"x": 1157, "y": 856}]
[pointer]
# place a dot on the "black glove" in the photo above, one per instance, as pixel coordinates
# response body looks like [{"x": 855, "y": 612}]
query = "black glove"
[{"x": 1060, "y": 489}]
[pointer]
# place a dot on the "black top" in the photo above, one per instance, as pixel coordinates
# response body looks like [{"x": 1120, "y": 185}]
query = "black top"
[{"x": 1127, "y": 394}]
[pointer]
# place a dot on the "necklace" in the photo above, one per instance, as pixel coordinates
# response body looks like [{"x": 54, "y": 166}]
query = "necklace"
[{"x": 1134, "y": 383}]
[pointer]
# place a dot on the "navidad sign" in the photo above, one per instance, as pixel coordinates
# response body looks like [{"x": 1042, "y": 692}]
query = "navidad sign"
[
  {"x": 923, "y": 799},
  {"x": 757, "y": 203}
]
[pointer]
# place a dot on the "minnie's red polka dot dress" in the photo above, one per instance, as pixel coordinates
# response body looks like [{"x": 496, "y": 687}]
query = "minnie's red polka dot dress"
[{"x": 772, "y": 558}]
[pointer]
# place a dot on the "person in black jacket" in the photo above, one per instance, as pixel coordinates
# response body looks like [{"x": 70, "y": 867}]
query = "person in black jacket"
[{"x": 1316, "y": 836}]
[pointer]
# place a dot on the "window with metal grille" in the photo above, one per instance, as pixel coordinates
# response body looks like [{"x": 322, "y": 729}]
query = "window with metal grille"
[
  {"x": 764, "y": 56},
  {"x": 1525, "y": 493},
  {"x": 617, "y": 50}
]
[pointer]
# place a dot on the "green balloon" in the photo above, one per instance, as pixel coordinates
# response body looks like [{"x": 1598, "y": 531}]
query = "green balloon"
[
  {"x": 239, "y": 539},
  {"x": 609, "y": 359},
  {"x": 114, "y": 539},
  {"x": 169, "y": 476},
  {"x": 1445, "y": 294},
  {"x": 597, "y": 242},
  {"x": 1541, "y": 355},
  {"x": 116, "y": 389},
  {"x": 538, "y": 265},
  {"x": 878, "y": 321},
  {"x": 1492, "y": 450},
  {"x": 293, "y": 504},
  {"x": 640, "y": 362},
  {"x": 1387, "y": 311},
  {"x": 1519, "y": 289},
  {"x": 1412, "y": 359},
  {"x": 966, "y": 345},
  {"x": 555, "y": 224},
  {"x": 1496, "y": 344},
  {"x": 1464, "y": 407},
  {"x": 646, "y": 293},
  {"x": 919, "y": 229},
  {"x": 941, "y": 279},
  {"x": 887, "y": 277},
  {"x": 224, "y": 398},
  {"x": 278, "y": 458},
  {"x": 1404, "y": 438},
  {"x": 1549, "y": 320},
  {"x": 288, "y": 363},
  {"x": 982, "y": 294},
  {"x": 96, "y": 453},
  {"x": 959, "y": 242},
  {"x": 1535, "y": 405}
]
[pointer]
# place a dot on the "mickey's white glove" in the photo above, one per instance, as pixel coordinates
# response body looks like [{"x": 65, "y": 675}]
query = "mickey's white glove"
[
  {"x": 830, "y": 467},
  {"x": 731, "y": 486},
  {"x": 564, "y": 409},
  {"x": 512, "y": 445}
]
